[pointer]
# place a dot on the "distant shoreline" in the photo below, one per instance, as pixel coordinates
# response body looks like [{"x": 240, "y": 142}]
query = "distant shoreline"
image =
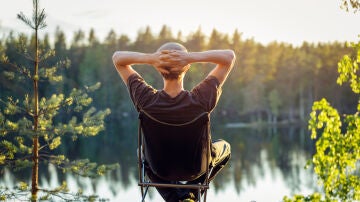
[{"x": 263, "y": 124}]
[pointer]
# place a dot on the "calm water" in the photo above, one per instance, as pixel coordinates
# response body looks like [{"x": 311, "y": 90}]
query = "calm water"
[{"x": 266, "y": 164}]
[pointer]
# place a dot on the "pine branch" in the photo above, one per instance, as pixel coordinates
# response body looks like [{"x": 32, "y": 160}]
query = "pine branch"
[
  {"x": 42, "y": 147},
  {"x": 44, "y": 110},
  {"x": 26, "y": 20},
  {"x": 46, "y": 55},
  {"x": 15, "y": 195},
  {"x": 8, "y": 131},
  {"x": 13, "y": 163},
  {"x": 46, "y": 156},
  {"x": 63, "y": 193},
  {"x": 23, "y": 70},
  {"x": 17, "y": 107},
  {"x": 38, "y": 18},
  {"x": 85, "y": 168},
  {"x": 41, "y": 20}
]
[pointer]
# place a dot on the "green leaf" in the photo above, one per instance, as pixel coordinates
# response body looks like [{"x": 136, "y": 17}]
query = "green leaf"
[
  {"x": 2, "y": 159},
  {"x": 55, "y": 143},
  {"x": 23, "y": 186}
]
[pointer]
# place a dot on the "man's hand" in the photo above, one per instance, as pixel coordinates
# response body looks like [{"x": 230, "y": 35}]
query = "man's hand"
[
  {"x": 172, "y": 61},
  {"x": 159, "y": 64}
]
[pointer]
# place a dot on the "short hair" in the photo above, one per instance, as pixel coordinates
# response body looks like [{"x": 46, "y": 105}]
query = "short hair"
[{"x": 172, "y": 46}]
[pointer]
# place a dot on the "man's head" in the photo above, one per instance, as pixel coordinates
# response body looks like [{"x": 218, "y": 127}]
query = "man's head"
[{"x": 172, "y": 46}]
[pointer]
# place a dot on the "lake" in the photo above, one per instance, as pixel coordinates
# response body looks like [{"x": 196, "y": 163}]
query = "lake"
[{"x": 267, "y": 163}]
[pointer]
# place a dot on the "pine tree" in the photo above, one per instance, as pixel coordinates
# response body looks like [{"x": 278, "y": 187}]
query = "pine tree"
[{"x": 30, "y": 128}]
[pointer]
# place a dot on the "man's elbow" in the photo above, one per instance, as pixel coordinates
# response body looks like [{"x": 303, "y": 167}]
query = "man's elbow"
[
  {"x": 117, "y": 59},
  {"x": 230, "y": 57},
  {"x": 114, "y": 58}
]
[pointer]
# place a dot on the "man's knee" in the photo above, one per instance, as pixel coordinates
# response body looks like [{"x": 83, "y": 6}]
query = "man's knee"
[
  {"x": 221, "y": 151},
  {"x": 221, "y": 147}
]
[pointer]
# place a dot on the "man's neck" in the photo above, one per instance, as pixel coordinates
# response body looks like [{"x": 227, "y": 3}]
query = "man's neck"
[{"x": 173, "y": 87}]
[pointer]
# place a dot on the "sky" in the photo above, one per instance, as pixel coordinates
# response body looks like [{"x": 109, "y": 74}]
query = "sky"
[{"x": 265, "y": 21}]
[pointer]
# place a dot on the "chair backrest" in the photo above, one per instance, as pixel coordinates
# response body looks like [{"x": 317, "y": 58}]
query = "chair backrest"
[{"x": 176, "y": 152}]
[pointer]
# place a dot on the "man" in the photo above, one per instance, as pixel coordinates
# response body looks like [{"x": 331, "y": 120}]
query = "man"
[{"x": 172, "y": 61}]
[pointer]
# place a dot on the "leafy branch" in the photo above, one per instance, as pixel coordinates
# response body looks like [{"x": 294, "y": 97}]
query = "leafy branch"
[{"x": 350, "y": 4}]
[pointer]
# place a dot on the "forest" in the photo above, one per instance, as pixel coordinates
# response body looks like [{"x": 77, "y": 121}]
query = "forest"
[
  {"x": 273, "y": 83},
  {"x": 290, "y": 90},
  {"x": 270, "y": 84}
]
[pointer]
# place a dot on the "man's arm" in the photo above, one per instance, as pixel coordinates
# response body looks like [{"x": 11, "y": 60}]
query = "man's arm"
[
  {"x": 224, "y": 60},
  {"x": 124, "y": 59}
]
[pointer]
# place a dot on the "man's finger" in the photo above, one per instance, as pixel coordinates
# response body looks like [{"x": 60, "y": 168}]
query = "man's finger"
[
  {"x": 165, "y": 64},
  {"x": 165, "y": 51}
]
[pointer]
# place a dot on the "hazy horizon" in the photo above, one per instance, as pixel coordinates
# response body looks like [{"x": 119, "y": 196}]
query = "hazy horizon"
[{"x": 265, "y": 21}]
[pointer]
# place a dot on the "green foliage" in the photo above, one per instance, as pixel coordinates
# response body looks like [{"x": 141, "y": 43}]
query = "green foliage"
[
  {"x": 275, "y": 102},
  {"x": 350, "y": 4},
  {"x": 337, "y": 158},
  {"x": 348, "y": 68},
  {"x": 337, "y": 154},
  {"x": 67, "y": 110},
  {"x": 85, "y": 168},
  {"x": 35, "y": 118},
  {"x": 60, "y": 193},
  {"x": 315, "y": 197},
  {"x": 38, "y": 19},
  {"x": 300, "y": 73}
]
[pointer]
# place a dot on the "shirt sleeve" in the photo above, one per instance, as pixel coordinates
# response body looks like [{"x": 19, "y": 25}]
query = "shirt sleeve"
[
  {"x": 208, "y": 92},
  {"x": 140, "y": 92}
]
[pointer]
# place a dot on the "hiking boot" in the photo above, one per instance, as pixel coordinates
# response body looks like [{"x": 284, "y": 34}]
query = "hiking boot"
[
  {"x": 190, "y": 197},
  {"x": 188, "y": 200}
]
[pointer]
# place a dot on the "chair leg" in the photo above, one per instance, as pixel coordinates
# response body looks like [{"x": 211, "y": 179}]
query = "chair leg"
[
  {"x": 142, "y": 192},
  {"x": 143, "y": 197},
  {"x": 142, "y": 178},
  {"x": 205, "y": 192},
  {"x": 199, "y": 195}
]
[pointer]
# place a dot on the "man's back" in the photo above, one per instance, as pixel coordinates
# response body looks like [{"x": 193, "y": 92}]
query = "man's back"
[{"x": 184, "y": 107}]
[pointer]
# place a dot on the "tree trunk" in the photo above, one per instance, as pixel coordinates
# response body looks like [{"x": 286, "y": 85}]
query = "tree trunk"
[
  {"x": 301, "y": 104},
  {"x": 35, "y": 169},
  {"x": 35, "y": 152}
]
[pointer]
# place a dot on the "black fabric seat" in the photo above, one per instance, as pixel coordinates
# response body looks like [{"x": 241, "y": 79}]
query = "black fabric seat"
[{"x": 174, "y": 152}]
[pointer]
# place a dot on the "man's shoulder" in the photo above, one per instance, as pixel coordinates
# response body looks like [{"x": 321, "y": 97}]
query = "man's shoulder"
[
  {"x": 210, "y": 82},
  {"x": 140, "y": 92},
  {"x": 134, "y": 77},
  {"x": 211, "y": 78}
]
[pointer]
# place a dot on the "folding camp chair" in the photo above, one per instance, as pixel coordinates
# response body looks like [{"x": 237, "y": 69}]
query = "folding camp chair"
[{"x": 174, "y": 152}]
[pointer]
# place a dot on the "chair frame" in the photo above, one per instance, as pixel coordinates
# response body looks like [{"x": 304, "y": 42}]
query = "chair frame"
[{"x": 145, "y": 183}]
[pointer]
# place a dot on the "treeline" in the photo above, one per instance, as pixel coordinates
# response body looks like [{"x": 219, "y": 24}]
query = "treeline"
[{"x": 271, "y": 83}]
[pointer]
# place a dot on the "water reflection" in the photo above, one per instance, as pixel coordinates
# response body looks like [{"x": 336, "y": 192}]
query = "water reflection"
[
  {"x": 261, "y": 153},
  {"x": 266, "y": 164}
]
